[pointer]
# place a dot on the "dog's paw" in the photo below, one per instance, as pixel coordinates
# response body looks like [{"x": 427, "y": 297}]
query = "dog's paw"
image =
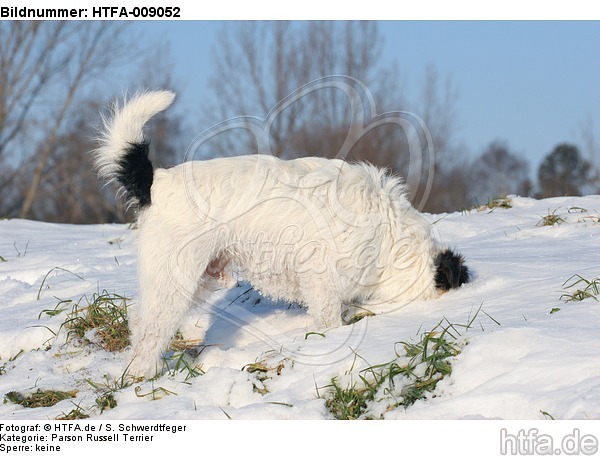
[{"x": 140, "y": 369}]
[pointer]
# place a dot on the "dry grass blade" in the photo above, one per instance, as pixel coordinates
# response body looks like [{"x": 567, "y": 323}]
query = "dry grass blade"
[{"x": 57, "y": 268}]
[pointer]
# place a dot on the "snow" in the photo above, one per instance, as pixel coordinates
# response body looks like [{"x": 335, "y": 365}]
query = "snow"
[{"x": 517, "y": 360}]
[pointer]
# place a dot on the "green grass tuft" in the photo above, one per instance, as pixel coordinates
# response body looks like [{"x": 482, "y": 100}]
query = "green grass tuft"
[
  {"x": 104, "y": 316},
  {"x": 266, "y": 369},
  {"x": 590, "y": 288},
  {"x": 76, "y": 414},
  {"x": 105, "y": 399},
  {"x": 402, "y": 381},
  {"x": 182, "y": 356},
  {"x": 501, "y": 202},
  {"x": 350, "y": 402},
  {"x": 412, "y": 376},
  {"x": 41, "y": 398},
  {"x": 182, "y": 362},
  {"x": 551, "y": 219}
]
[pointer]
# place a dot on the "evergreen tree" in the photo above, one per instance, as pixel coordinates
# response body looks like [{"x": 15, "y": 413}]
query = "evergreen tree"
[{"x": 564, "y": 172}]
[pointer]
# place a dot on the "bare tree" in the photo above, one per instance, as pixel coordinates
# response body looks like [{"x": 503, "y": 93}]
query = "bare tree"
[
  {"x": 587, "y": 133},
  {"x": 70, "y": 191},
  {"x": 437, "y": 108},
  {"x": 26, "y": 67},
  {"x": 167, "y": 130},
  {"x": 452, "y": 190},
  {"x": 449, "y": 188},
  {"x": 260, "y": 64},
  {"x": 591, "y": 150},
  {"x": 44, "y": 67}
]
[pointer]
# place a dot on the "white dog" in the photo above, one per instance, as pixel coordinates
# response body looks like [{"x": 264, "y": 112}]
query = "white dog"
[{"x": 320, "y": 232}]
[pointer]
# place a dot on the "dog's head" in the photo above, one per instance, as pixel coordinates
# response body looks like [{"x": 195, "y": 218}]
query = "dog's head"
[{"x": 450, "y": 270}]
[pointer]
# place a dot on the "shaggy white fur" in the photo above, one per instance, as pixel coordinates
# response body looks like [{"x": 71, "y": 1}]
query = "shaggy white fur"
[{"x": 320, "y": 232}]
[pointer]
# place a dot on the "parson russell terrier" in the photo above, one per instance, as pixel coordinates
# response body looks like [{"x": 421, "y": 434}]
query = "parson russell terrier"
[{"x": 324, "y": 233}]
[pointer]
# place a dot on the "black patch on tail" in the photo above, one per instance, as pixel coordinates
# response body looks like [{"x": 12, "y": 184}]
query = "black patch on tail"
[
  {"x": 450, "y": 270},
  {"x": 136, "y": 173}
]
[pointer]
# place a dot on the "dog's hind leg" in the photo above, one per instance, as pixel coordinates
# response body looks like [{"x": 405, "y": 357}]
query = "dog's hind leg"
[{"x": 324, "y": 306}]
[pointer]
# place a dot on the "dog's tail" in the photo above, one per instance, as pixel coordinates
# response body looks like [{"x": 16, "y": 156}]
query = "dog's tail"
[{"x": 123, "y": 152}]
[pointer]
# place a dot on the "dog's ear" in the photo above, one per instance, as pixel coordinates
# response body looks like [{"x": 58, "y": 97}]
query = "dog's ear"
[{"x": 450, "y": 270}]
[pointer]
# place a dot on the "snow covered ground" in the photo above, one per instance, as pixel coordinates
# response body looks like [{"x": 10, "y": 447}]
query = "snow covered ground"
[{"x": 521, "y": 358}]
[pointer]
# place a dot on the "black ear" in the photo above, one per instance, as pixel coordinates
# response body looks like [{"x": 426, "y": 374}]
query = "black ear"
[{"x": 450, "y": 270}]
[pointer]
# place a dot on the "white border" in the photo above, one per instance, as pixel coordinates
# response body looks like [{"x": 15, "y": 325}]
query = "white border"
[{"x": 350, "y": 9}]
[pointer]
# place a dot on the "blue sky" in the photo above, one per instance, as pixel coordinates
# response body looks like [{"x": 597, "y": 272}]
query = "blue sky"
[{"x": 531, "y": 84}]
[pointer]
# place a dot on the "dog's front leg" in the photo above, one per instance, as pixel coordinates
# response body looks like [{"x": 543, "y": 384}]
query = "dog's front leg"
[
  {"x": 157, "y": 320},
  {"x": 167, "y": 292}
]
